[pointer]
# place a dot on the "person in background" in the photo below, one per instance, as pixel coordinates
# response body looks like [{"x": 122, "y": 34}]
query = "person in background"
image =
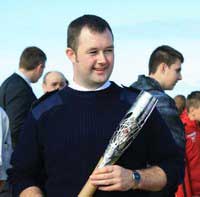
[
  {"x": 164, "y": 72},
  {"x": 16, "y": 95},
  {"x": 191, "y": 118},
  {"x": 66, "y": 134},
  {"x": 5, "y": 152},
  {"x": 53, "y": 80},
  {"x": 180, "y": 101}
]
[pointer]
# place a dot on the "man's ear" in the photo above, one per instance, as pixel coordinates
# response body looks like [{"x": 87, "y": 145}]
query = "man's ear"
[
  {"x": 71, "y": 55},
  {"x": 39, "y": 67},
  {"x": 162, "y": 67}
]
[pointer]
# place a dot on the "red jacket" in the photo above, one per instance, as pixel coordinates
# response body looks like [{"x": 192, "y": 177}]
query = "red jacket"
[{"x": 192, "y": 171}]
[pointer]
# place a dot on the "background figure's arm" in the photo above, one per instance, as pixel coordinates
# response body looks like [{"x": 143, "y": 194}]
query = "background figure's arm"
[
  {"x": 5, "y": 145},
  {"x": 167, "y": 108},
  {"x": 17, "y": 106}
]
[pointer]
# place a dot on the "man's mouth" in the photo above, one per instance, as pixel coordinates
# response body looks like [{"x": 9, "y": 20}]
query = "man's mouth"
[{"x": 100, "y": 70}]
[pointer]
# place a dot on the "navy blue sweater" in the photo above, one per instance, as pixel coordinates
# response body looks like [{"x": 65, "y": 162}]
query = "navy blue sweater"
[{"x": 66, "y": 134}]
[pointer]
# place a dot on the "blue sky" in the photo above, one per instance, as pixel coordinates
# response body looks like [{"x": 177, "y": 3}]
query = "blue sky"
[{"x": 139, "y": 27}]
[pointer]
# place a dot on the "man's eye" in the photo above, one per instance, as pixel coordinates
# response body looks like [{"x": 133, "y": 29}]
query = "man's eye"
[
  {"x": 108, "y": 50},
  {"x": 93, "y": 52}
]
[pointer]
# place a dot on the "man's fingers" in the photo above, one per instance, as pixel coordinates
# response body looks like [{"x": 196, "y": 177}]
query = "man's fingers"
[
  {"x": 104, "y": 182},
  {"x": 108, "y": 188},
  {"x": 106, "y": 169},
  {"x": 101, "y": 176}
]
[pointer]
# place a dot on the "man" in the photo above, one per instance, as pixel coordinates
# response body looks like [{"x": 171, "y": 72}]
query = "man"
[
  {"x": 69, "y": 131},
  {"x": 16, "y": 95},
  {"x": 164, "y": 72},
  {"x": 53, "y": 80}
]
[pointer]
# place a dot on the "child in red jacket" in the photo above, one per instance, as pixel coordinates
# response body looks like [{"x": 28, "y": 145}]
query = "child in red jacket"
[{"x": 191, "y": 118}]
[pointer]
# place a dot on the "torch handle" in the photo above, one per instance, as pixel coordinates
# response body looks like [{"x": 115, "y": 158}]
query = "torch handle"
[{"x": 88, "y": 189}]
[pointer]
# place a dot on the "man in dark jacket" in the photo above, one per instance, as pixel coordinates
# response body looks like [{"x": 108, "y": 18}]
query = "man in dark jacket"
[
  {"x": 164, "y": 72},
  {"x": 16, "y": 95}
]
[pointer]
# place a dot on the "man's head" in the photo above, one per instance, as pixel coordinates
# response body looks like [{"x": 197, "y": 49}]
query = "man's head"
[
  {"x": 32, "y": 63},
  {"x": 53, "y": 80},
  {"x": 193, "y": 105},
  {"x": 91, "y": 50},
  {"x": 180, "y": 101},
  {"x": 165, "y": 66}
]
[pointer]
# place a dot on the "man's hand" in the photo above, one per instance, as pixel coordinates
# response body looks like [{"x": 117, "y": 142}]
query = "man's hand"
[
  {"x": 116, "y": 178},
  {"x": 112, "y": 178}
]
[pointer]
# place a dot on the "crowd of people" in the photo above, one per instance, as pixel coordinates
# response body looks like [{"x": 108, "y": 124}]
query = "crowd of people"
[{"x": 50, "y": 146}]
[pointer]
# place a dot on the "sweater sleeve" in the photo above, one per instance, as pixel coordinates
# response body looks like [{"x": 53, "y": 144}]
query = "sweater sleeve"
[
  {"x": 164, "y": 152},
  {"x": 27, "y": 165}
]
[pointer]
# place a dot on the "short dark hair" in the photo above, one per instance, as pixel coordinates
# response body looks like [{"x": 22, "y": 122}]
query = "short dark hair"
[
  {"x": 93, "y": 22},
  {"x": 193, "y": 100},
  {"x": 31, "y": 57},
  {"x": 164, "y": 54}
]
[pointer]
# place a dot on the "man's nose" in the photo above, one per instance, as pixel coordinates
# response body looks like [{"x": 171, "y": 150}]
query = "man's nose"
[{"x": 102, "y": 58}]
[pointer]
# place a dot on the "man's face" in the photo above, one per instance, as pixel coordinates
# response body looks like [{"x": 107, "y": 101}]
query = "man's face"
[
  {"x": 94, "y": 58},
  {"x": 54, "y": 81},
  {"x": 172, "y": 75}
]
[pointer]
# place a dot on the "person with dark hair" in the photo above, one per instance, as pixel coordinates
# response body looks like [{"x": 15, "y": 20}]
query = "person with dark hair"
[
  {"x": 180, "y": 102},
  {"x": 65, "y": 134},
  {"x": 164, "y": 72},
  {"x": 191, "y": 118},
  {"x": 54, "y": 80},
  {"x": 16, "y": 95}
]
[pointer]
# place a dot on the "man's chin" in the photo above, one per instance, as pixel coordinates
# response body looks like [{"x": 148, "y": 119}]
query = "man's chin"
[{"x": 171, "y": 88}]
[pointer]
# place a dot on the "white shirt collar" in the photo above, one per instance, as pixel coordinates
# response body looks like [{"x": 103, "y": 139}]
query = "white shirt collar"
[
  {"x": 24, "y": 77},
  {"x": 75, "y": 86}
]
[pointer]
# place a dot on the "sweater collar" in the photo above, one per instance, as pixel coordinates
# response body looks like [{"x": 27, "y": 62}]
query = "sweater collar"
[{"x": 75, "y": 86}]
